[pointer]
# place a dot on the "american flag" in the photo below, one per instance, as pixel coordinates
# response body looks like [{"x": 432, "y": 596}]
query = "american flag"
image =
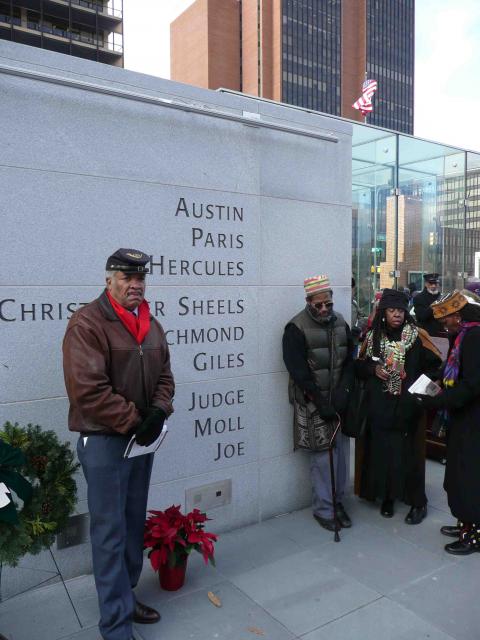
[{"x": 364, "y": 103}]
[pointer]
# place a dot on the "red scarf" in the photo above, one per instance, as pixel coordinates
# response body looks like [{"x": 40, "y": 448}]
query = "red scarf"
[{"x": 137, "y": 326}]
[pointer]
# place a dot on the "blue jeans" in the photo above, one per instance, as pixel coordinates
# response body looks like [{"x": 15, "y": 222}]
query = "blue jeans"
[{"x": 117, "y": 502}]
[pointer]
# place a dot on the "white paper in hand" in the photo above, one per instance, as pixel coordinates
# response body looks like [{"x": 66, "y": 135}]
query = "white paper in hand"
[
  {"x": 4, "y": 495},
  {"x": 424, "y": 386},
  {"x": 133, "y": 449}
]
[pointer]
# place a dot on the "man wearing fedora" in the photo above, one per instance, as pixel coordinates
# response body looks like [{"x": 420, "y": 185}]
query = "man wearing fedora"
[
  {"x": 422, "y": 308},
  {"x": 118, "y": 379},
  {"x": 318, "y": 354}
]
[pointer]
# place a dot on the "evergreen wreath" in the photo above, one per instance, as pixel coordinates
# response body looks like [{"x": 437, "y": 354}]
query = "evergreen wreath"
[{"x": 49, "y": 466}]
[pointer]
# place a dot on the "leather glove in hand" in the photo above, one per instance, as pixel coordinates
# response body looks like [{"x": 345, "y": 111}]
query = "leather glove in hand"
[{"x": 151, "y": 427}]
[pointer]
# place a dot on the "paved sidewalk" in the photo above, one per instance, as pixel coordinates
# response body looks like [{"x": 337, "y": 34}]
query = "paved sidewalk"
[{"x": 286, "y": 579}]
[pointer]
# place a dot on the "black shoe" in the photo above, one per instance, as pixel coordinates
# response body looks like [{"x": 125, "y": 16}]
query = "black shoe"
[
  {"x": 387, "y": 509},
  {"x": 416, "y": 515},
  {"x": 144, "y": 614},
  {"x": 461, "y": 548},
  {"x": 343, "y": 517},
  {"x": 451, "y": 532},
  {"x": 327, "y": 523}
]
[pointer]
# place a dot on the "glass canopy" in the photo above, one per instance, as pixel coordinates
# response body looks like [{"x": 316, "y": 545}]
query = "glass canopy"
[{"x": 415, "y": 210}]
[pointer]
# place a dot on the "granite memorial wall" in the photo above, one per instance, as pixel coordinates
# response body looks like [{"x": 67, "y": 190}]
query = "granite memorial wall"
[{"x": 235, "y": 199}]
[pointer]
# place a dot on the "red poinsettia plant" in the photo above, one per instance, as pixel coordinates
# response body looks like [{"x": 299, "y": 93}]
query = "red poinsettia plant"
[{"x": 172, "y": 536}]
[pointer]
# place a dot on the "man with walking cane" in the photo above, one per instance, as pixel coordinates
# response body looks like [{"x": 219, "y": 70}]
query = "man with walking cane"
[{"x": 318, "y": 354}]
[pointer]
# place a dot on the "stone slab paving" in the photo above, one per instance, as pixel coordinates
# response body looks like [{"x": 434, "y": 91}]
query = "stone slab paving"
[
  {"x": 40, "y": 614},
  {"x": 379, "y": 620},
  {"x": 381, "y": 561},
  {"x": 304, "y": 592},
  {"x": 286, "y": 579},
  {"x": 447, "y": 598}
]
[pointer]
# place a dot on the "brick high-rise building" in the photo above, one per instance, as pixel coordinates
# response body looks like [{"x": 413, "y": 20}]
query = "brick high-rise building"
[
  {"x": 91, "y": 29},
  {"x": 310, "y": 53}
]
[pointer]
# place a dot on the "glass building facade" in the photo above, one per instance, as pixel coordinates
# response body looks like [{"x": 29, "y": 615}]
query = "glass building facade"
[
  {"x": 311, "y": 54},
  {"x": 416, "y": 209},
  {"x": 390, "y": 60}
]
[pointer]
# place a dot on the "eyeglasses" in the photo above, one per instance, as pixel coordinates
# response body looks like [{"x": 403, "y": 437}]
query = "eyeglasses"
[{"x": 319, "y": 305}]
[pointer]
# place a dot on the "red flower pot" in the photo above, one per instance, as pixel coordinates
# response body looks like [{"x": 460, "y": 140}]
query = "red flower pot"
[{"x": 172, "y": 578}]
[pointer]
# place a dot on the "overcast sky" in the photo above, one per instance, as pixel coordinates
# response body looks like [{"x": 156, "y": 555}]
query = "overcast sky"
[{"x": 447, "y": 68}]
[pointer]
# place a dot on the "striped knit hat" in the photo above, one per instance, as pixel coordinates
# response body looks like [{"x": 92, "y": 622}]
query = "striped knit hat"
[{"x": 316, "y": 284}]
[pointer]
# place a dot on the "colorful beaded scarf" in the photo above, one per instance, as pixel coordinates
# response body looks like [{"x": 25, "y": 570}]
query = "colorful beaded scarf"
[
  {"x": 393, "y": 355},
  {"x": 450, "y": 374}
]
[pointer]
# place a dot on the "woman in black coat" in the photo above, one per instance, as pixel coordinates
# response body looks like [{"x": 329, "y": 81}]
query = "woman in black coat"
[
  {"x": 393, "y": 357},
  {"x": 460, "y": 402}
]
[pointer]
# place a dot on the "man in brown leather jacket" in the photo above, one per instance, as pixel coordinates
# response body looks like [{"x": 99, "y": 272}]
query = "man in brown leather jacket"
[{"x": 119, "y": 383}]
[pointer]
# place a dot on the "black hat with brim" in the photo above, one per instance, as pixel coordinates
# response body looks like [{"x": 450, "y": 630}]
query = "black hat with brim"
[
  {"x": 128, "y": 261},
  {"x": 431, "y": 277},
  {"x": 393, "y": 299}
]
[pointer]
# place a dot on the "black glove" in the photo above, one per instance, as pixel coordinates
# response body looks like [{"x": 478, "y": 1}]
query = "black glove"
[
  {"x": 340, "y": 397},
  {"x": 325, "y": 411},
  {"x": 151, "y": 427}
]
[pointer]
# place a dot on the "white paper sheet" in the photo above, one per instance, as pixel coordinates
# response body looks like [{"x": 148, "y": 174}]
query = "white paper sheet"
[
  {"x": 133, "y": 449},
  {"x": 4, "y": 495},
  {"x": 425, "y": 386}
]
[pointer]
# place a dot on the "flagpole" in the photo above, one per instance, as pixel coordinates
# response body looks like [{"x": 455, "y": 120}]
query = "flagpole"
[{"x": 365, "y": 120}]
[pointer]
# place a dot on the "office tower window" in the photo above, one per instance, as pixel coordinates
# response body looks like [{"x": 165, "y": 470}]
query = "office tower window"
[
  {"x": 311, "y": 54},
  {"x": 390, "y": 60}
]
